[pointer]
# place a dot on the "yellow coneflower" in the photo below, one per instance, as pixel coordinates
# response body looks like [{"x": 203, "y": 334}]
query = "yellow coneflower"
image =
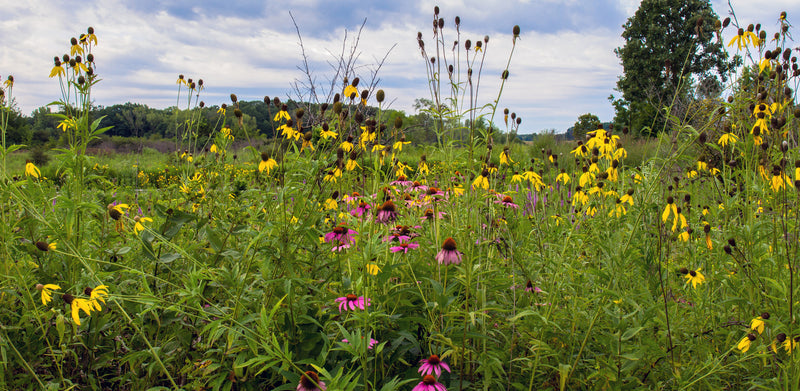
[
  {"x": 744, "y": 344},
  {"x": 505, "y": 158},
  {"x": 267, "y": 163},
  {"x": 481, "y": 181},
  {"x": 47, "y": 291},
  {"x": 139, "y": 226},
  {"x": 423, "y": 165},
  {"x": 563, "y": 177},
  {"x": 694, "y": 277},
  {"x": 32, "y": 170}
]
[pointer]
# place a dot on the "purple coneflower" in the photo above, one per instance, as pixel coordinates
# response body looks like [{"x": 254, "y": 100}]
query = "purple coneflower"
[
  {"x": 416, "y": 186},
  {"x": 449, "y": 254},
  {"x": 310, "y": 382},
  {"x": 508, "y": 202},
  {"x": 428, "y": 215},
  {"x": 341, "y": 234},
  {"x": 429, "y": 383},
  {"x": 362, "y": 208},
  {"x": 401, "y": 181},
  {"x": 387, "y": 212},
  {"x": 432, "y": 365},
  {"x": 403, "y": 247},
  {"x": 352, "y": 302},
  {"x": 530, "y": 288}
]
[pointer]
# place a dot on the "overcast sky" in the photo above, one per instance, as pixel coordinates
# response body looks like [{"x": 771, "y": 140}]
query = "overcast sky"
[{"x": 563, "y": 65}]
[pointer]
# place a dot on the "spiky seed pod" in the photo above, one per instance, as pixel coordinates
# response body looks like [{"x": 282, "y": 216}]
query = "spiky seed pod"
[
  {"x": 237, "y": 113},
  {"x": 276, "y": 101},
  {"x": 458, "y": 21},
  {"x": 299, "y": 113},
  {"x": 234, "y": 99},
  {"x": 726, "y": 22},
  {"x": 441, "y": 23},
  {"x": 202, "y": 104},
  {"x": 380, "y": 95},
  {"x": 267, "y": 101},
  {"x": 364, "y": 94},
  {"x": 516, "y": 31}
]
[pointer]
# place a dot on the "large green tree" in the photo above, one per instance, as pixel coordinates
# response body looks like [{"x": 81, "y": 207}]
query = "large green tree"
[{"x": 670, "y": 47}]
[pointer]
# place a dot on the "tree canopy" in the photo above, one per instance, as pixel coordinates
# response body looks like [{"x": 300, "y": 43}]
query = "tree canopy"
[{"x": 669, "y": 46}]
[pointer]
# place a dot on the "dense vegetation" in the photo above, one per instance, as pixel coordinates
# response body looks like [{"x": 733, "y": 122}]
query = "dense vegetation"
[{"x": 328, "y": 252}]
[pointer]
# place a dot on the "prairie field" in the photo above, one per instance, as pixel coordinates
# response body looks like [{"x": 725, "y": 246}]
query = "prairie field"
[{"x": 346, "y": 249}]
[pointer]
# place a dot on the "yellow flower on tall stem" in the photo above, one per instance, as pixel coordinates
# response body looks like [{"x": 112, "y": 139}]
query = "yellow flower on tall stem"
[
  {"x": 695, "y": 277},
  {"x": 96, "y": 296},
  {"x": 138, "y": 227},
  {"x": 32, "y": 170},
  {"x": 267, "y": 163},
  {"x": 481, "y": 181},
  {"x": 744, "y": 344},
  {"x": 727, "y": 138},
  {"x": 47, "y": 292}
]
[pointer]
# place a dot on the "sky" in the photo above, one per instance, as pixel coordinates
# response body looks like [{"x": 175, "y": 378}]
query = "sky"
[{"x": 563, "y": 64}]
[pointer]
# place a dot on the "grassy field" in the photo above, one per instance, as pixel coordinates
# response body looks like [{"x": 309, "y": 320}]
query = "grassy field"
[{"x": 318, "y": 261}]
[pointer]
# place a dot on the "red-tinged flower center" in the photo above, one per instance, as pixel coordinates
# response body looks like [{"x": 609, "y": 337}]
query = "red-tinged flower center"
[
  {"x": 417, "y": 184},
  {"x": 428, "y": 212},
  {"x": 404, "y": 245},
  {"x": 309, "y": 380},
  {"x": 429, "y": 380},
  {"x": 339, "y": 230},
  {"x": 449, "y": 244},
  {"x": 433, "y": 359},
  {"x": 433, "y": 190},
  {"x": 362, "y": 204},
  {"x": 388, "y": 206},
  {"x": 355, "y": 194},
  {"x": 401, "y": 178},
  {"x": 508, "y": 199},
  {"x": 351, "y": 297}
]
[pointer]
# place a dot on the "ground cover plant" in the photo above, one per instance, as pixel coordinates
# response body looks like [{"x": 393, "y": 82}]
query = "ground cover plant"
[{"x": 336, "y": 256}]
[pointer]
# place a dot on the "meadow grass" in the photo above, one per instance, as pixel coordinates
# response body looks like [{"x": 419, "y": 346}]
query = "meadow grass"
[{"x": 338, "y": 257}]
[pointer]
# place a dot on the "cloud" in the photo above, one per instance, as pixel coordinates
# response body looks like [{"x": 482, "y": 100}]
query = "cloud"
[{"x": 563, "y": 65}]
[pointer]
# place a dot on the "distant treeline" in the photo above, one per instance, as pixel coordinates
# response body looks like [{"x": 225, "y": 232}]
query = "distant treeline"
[{"x": 134, "y": 120}]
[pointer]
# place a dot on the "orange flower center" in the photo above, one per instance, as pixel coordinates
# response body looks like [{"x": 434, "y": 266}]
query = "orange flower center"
[{"x": 449, "y": 244}]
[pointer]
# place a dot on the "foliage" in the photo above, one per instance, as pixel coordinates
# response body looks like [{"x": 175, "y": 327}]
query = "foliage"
[
  {"x": 335, "y": 253},
  {"x": 668, "y": 47},
  {"x": 586, "y": 123}
]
